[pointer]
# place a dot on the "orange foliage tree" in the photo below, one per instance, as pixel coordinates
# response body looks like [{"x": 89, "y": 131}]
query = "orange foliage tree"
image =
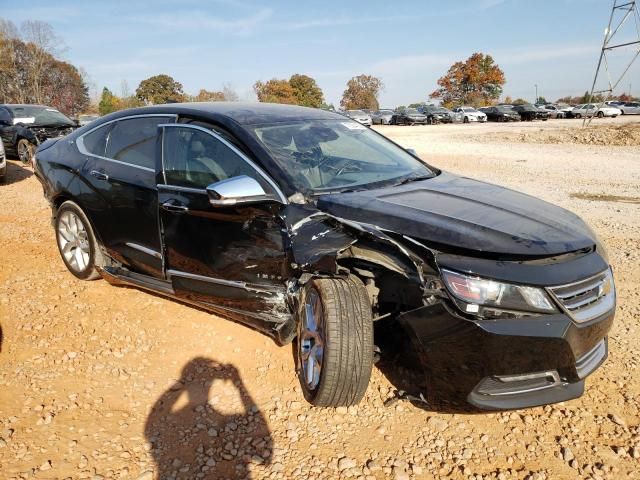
[{"x": 478, "y": 81}]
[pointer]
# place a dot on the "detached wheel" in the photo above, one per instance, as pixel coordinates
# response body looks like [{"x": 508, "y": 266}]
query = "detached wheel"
[
  {"x": 335, "y": 342},
  {"x": 77, "y": 242},
  {"x": 25, "y": 151}
]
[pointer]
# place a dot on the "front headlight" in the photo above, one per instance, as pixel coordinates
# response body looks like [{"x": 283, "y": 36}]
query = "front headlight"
[{"x": 494, "y": 299}]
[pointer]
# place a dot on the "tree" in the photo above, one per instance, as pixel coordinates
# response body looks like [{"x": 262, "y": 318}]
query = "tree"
[
  {"x": 508, "y": 100},
  {"x": 418, "y": 105},
  {"x": 229, "y": 93},
  {"x": 541, "y": 100},
  {"x": 520, "y": 101},
  {"x": 160, "y": 89},
  {"x": 108, "y": 102},
  {"x": 362, "y": 92},
  {"x": 477, "y": 81},
  {"x": 207, "y": 96},
  {"x": 275, "y": 91},
  {"x": 306, "y": 91}
]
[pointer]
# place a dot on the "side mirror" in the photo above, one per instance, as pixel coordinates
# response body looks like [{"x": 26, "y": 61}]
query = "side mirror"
[
  {"x": 239, "y": 190},
  {"x": 412, "y": 151}
]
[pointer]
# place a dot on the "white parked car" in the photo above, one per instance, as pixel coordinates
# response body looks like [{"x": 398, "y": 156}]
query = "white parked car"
[
  {"x": 470, "y": 114},
  {"x": 591, "y": 109},
  {"x": 383, "y": 117},
  {"x": 359, "y": 116},
  {"x": 630, "y": 108}
]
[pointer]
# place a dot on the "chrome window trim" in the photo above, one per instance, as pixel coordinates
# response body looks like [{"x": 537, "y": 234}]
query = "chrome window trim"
[
  {"x": 233, "y": 148},
  {"x": 84, "y": 151},
  {"x": 177, "y": 188},
  {"x": 143, "y": 249}
]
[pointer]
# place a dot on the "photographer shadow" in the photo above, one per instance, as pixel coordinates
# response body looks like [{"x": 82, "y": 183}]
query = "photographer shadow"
[{"x": 195, "y": 431}]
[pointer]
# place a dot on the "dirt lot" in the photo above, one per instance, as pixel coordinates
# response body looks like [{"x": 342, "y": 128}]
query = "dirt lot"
[{"x": 102, "y": 382}]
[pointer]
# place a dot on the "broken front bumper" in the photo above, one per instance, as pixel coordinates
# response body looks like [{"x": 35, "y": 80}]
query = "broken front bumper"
[{"x": 507, "y": 363}]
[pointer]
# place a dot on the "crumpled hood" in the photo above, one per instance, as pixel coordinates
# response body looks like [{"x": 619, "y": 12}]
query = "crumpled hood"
[{"x": 458, "y": 212}]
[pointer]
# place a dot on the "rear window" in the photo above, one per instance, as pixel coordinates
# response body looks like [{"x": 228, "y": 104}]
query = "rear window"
[
  {"x": 133, "y": 141},
  {"x": 96, "y": 141}
]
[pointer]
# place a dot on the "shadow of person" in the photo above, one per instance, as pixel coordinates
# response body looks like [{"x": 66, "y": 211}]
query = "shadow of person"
[{"x": 206, "y": 426}]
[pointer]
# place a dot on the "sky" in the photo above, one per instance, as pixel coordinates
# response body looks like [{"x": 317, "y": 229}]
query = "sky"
[{"x": 554, "y": 44}]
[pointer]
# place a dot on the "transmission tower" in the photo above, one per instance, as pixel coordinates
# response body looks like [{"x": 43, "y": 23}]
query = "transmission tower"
[{"x": 621, "y": 12}]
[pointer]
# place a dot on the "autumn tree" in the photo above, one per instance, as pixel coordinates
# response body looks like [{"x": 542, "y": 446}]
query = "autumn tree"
[
  {"x": 362, "y": 92},
  {"x": 306, "y": 91},
  {"x": 477, "y": 81},
  {"x": 275, "y": 91},
  {"x": 108, "y": 102},
  {"x": 520, "y": 101},
  {"x": 207, "y": 96},
  {"x": 160, "y": 89}
]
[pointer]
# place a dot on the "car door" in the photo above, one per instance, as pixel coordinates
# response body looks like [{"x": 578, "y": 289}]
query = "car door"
[
  {"x": 121, "y": 170},
  {"x": 7, "y": 129},
  {"x": 228, "y": 257}
]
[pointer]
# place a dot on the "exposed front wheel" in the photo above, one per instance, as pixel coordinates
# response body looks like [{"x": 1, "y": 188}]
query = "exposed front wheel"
[
  {"x": 77, "y": 242},
  {"x": 600, "y": 114},
  {"x": 25, "y": 151},
  {"x": 466, "y": 120},
  {"x": 335, "y": 342}
]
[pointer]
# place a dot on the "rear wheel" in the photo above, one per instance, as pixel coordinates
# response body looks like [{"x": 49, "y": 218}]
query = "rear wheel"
[
  {"x": 25, "y": 151},
  {"x": 577, "y": 115},
  {"x": 77, "y": 242},
  {"x": 466, "y": 120},
  {"x": 335, "y": 342}
]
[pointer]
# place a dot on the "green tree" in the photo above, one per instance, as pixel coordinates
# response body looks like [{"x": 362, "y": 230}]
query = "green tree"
[
  {"x": 160, "y": 89},
  {"x": 108, "y": 102},
  {"x": 306, "y": 91},
  {"x": 275, "y": 91},
  {"x": 477, "y": 81},
  {"x": 362, "y": 92},
  {"x": 541, "y": 100}
]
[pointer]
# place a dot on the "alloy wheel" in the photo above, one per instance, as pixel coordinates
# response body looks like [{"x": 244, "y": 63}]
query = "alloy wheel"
[
  {"x": 74, "y": 241},
  {"x": 311, "y": 340},
  {"x": 24, "y": 152}
]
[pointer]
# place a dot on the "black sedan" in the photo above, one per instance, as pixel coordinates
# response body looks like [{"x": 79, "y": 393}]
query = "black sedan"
[
  {"x": 408, "y": 116},
  {"x": 24, "y": 127},
  {"x": 312, "y": 228},
  {"x": 530, "y": 112},
  {"x": 500, "y": 114},
  {"x": 437, "y": 115}
]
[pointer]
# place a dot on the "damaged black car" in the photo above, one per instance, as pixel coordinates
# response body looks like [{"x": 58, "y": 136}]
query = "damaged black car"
[
  {"x": 316, "y": 230},
  {"x": 24, "y": 127}
]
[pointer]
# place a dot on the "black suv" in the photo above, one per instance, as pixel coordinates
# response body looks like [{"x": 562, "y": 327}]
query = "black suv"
[
  {"x": 311, "y": 227},
  {"x": 24, "y": 127}
]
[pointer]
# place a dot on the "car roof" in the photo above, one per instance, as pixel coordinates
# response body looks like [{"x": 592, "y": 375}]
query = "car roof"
[{"x": 243, "y": 113}]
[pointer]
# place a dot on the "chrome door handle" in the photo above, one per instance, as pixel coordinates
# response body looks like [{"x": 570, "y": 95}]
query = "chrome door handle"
[
  {"x": 99, "y": 175},
  {"x": 169, "y": 206}
]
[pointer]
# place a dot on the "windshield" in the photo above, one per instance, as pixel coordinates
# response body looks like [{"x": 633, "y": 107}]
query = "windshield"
[
  {"x": 412, "y": 111},
  {"x": 467, "y": 109},
  {"x": 38, "y": 116},
  {"x": 355, "y": 112},
  {"x": 334, "y": 155}
]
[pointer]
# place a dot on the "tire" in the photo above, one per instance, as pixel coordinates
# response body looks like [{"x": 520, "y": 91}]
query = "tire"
[
  {"x": 600, "y": 114},
  {"x": 577, "y": 115},
  {"x": 25, "y": 150},
  {"x": 466, "y": 120},
  {"x": 341, "y": 344},
  {"x": 75, "y": 234}
]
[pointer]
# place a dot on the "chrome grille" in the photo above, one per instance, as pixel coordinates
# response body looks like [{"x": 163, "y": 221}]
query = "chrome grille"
[{"x": 587, "y": 299}]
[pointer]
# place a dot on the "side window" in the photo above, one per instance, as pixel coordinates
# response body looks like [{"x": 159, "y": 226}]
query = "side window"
[
  {"x": 193, "y": 158},
  {"x": 134, "y": 140},
  {"x": 96, "y": 141},
  {"x": 5, "y": 117}
]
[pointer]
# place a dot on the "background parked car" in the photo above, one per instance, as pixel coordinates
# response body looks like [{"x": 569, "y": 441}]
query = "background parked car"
[
  {"x": 500, "y": 114},
  {"x": 382, "y": 117},
  {"x": 470, "y": 114},
  {"x": 3, "y": 163},
  {"x": 436, "y": 114},
  {"x": 591, "y": 109},
  {"x": 408, "y": 116},
  {"x": 86, "y": 119},
  {"x": 359, "y": 116},
  {"x": 23, "y": 127},
  {"x": 554, "y": 111},
  {"x": 527, "y": 112},
  {"x": 630, "y": 108}
]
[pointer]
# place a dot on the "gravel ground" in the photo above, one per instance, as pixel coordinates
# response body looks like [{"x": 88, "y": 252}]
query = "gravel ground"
[{"x": 101, "y": 382}]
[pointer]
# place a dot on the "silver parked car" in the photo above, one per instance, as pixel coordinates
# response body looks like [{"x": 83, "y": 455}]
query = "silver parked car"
[
  {"x": 359, "y": 116},
  {"x": 591, "y": 109},
  {"x": 630, "y": 108},
  {"x": 382, "y": 117},
  {"x": 554, "y": 111}
]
